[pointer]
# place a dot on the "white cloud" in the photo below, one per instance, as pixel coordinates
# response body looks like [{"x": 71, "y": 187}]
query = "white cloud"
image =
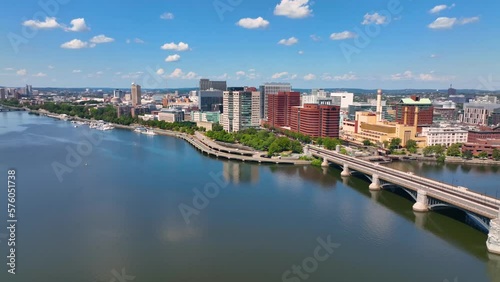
[
  {"x": 50, "y": 67},
  {"x": 407, "y": 75},
  {"x": 294, "y": 9},
  {"x": 279, "y": 75},
  {"x": 173, "y": 58},
  {"x": 374, "y": 18},
  {"x": 76, "y": 44},
  {"x": 301, "y": 52},
  {"x": 314, "y": 37},
  {"x": 175, "y": 47},
  {"x": 448, "y": 23},
  {"x": 240, "y": 73},
  {"x": 22, "y": 72},
  {"x": 250, "y": 23},
  {"x": 288, "y": 42},
  {"x": 99, "y": 39},
  {"x": 160, "y": 72},
  {"x": 310, "y": 77},
  {"x": 77, "y": 71},
  {"x": 434, "y": 56},
  {"x": 49, "y": 23},
  {"x": 178, "y": 73},
  {"x": 99, "y": 73},
  {"x": 440, "y": 8},
  {"x": 9, "y": 69},
  {"x": 431, "y": 76},
  {"x": 40, "y": 74},
  {"x": 343, "y": 35},
  {"x": 469, "y": 20},
  {"x": 78, "y": 25},
  {"x": 167, "y": 16},
  {"x": 344, "y": 77},
  {"x": 138, "y": 41}
]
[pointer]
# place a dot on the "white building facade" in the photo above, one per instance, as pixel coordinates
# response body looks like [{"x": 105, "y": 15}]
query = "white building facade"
[{"x": 445, "y": 135}]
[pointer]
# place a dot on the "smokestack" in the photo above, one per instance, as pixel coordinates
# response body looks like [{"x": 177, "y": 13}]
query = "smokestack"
[
  {"x": 379, "y": 105},
  {"x": 416, "y": 117}
]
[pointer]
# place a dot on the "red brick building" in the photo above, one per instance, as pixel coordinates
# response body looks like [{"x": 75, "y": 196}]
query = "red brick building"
[
  {"x": 316, "y": 120},
  {"x": 483, "y": 133},
  {"x": 482, "y": 145},
  {"x": 415, "y": 110},
  {"x": 279, "y": 108}
]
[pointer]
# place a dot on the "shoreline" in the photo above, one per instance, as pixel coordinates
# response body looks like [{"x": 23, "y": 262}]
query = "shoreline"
[{"x": 201, "y": 144}]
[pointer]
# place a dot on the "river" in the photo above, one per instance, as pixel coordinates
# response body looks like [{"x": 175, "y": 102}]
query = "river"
[{"x": 106, "y": 206}]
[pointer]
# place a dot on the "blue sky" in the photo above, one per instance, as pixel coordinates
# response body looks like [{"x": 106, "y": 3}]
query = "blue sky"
[{"x": 387, "y": 44}]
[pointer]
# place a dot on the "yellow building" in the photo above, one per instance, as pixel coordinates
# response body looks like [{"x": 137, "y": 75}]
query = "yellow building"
[{"x": 366, "y": 127}]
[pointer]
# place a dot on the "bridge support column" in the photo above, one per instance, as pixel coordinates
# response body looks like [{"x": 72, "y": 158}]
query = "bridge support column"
[
  {"x": 421, "y": 204},
  {"x": 325, "y": 163},
  {"x": 375, "y": 186},
  {"x": 493, "y": 242},
  {"x": 346, "y": 171}
]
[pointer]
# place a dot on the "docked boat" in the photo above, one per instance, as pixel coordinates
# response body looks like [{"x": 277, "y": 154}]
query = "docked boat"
[
  {"x": 140, "y": 129},
  {"x": 149, "y": 132}
]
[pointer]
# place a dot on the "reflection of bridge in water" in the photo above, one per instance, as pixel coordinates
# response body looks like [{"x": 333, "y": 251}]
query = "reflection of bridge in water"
[
  {"x": 427, "y": 193},
  {"x": 4, "y": 108}
]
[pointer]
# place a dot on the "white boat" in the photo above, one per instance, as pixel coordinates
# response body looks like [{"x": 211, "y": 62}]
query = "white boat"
[
  {"x": 105, "y": 127},
  {"x": 149, "y": 132},
  {"x": 140, "y": 129}
]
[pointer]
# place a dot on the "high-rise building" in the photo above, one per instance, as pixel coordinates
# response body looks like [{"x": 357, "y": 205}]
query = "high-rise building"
[
  {"x": 210, "y": 100},
  {"x": 279, "y": 108},
  {"x": 28, "y": 90},
  {"x": 271, "y": 89},
  {"x": 136, "y": 94},
  {"x": 415, "y": 110},
  {"x": 316, "y": 120},
  {"x": 342, "y": 99},
  {"x": 117, "y": 94},
  {"x": 3, "y": 93},
  {"x": 479, "y": 114},
  {"x": 206, "y": 84},
  {"x": 241, "y": 109}
]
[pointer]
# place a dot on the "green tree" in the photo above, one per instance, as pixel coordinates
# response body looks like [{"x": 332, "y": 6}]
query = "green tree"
[
  {"x": 483, "y": 155},
  {"x": 395, "y": 143},
  {"x": 454, "y": 150},
  {"x": 412, "y": 146},
  {"x": 331, "y": 143},
  {"x": 496, "y": 154},
  {"x": 467, "y": 155},
  {"x": 367, "y": 143}
]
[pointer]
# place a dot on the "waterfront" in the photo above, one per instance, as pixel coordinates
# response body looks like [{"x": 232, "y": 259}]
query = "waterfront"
[{"x": 119, "y": 209}]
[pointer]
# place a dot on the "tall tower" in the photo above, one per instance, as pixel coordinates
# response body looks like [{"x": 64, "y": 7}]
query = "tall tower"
[
  {"x": 136, "y": 94},
  {"x": 379, "y": 105}
]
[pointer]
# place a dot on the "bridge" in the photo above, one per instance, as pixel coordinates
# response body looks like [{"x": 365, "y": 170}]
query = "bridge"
[
  {"x": 4, "y": 108},
  {"x": 428, "y": 194}
]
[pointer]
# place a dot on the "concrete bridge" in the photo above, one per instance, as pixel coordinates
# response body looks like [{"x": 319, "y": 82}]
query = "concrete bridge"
[{"x": 428, "y": 194}]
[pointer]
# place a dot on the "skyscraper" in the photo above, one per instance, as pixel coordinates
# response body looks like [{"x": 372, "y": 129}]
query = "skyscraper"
[
  {"x": 117, "y": 94},
  {"x": 29, "y": 90},
  {"x": 271, "y": 89},
  {"x": 316, "y": 120},
  {"x": 136, "y": 94},
  {"x": 280, "y": 108},
  {"x": 241, "y": 109},
  {"x": 206, "y": 84},
  {"x": 3, "y": 93}
]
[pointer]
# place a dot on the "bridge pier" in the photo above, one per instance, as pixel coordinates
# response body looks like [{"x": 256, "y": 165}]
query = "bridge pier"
[
  {"x": 421, "y": 204},
  {"x": 346, "y": 171},
  {"x": 325, "y": 163},
  {"x": 493, "y": 242},
  {"x": 375, "y": 186}
]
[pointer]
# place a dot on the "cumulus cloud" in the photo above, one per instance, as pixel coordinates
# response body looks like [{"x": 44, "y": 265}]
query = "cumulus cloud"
[
  {"x": 250, "y": 23},
  {"x": 78, "y": 25},
  {"x": 40, "y": 74},
  {"x": 374, "y": 18},
  {"x": 448, "y": 23},
  {"x": 173, "y": 58},
  {"x": 138, "y": 41},
  {"x": 76, "y": 44},
  {"x": 160, "y": 71},
  {"x": 409, "y": 75},
  {"x": 343, "y": 35},
  {"x": 288, "y": 42},
  {"x": 301, "y": 52},
  {"x": 178, "y": 73},
  {"x": 310, "y": 77},
  {"x": 99, "y": 39},
  {"x": 50, "y": 67},
  {"x": 344, "y": 77},
  {"x": 440, "y": 8},
  {"x": 49, "y": 23},
  {"x": 314, "y": 37},
  {"x": 77, "y": 71},
  {"x": 22, "y": 72},
  {"x": 294, "y": 9},
  {"x": 279, "y": 75},
  {"x": 175, "y": 47},
  {"x": 167, "y": 16}
]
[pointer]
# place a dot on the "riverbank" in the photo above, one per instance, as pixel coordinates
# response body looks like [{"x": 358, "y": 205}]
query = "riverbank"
[
  {"x": 448, "y": 160},
  {"x": 203, "y": 144}
]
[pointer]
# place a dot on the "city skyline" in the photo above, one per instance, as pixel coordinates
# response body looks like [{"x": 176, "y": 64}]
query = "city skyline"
[{"x": 390, "y": 45}]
